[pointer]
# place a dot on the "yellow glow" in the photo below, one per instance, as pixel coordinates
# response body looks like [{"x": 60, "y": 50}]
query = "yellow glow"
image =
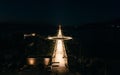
[
  {"x": 31, "y": 61},
  {"x": 46, "y": 61},
  {"x": 50, "y": 38},
  {"x": 33, "y": 34},
  {"x": 59, "y": 32},
  {"x": 59, "y": 54}
]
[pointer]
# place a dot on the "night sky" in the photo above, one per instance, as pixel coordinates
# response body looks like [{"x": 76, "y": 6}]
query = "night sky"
[{"x": 54, "y": 12}]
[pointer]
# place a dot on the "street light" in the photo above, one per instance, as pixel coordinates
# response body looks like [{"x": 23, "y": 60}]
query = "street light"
[{"x": 29, "y": 35}]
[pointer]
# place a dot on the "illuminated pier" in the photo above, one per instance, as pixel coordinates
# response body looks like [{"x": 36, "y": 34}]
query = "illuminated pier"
[{"x": 59, "y": 55}]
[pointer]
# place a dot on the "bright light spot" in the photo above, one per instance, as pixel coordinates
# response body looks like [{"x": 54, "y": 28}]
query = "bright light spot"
[
  {"x": 31, "y": 61},
  {"x": 49, "y": 37},
  {"x": 46, "y": 61},
  {"x": 33, "y": 34},
  {"x": 60, "y": 53}
]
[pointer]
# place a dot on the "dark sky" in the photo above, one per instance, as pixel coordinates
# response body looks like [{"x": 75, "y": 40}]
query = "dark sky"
[{"x": 66, "y": 12}]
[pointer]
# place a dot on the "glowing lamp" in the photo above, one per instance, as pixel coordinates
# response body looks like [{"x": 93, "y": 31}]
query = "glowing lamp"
[
  {"x": 31, "y": 61},
  {"x": 46, "y": 61}
]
